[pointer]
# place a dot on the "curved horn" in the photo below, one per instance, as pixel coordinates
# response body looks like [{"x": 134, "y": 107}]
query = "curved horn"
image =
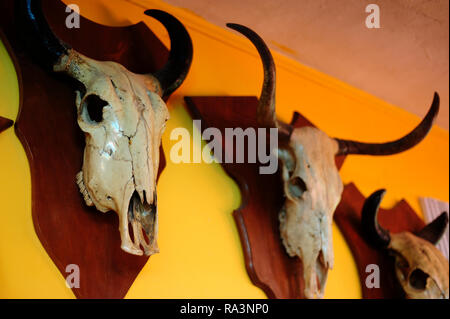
[
  {"x": 44, "y": 42},
  {"x": 266, "y": 104},
  {"x": 377, "y": 235},
  {"x": 394, "y": 147},
  {"x": 173, "y": 73},
  {"x": 434, "y": 230}
]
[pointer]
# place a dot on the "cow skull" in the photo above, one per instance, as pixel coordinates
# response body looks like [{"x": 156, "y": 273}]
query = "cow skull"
[
  {"x": 312, "y": 185},
  {"x": 421, "y": 269},
  {"x": 305, "y": 220},
  {"x": 123, "y": 116}
]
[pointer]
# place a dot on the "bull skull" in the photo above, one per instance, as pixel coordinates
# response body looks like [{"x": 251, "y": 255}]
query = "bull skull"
[
  {"x": 421, "y": 269},
  {"x": 312, "y": 185},
  {"x": 123, "y": 116}
]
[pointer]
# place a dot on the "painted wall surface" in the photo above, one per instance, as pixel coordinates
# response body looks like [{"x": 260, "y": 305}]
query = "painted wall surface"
[
  {"x": 201, "y": 255},
  {"x": 402, "y": 62}
]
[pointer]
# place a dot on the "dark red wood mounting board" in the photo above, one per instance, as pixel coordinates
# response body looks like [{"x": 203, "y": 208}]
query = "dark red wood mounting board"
[
  {"x": 267, "y": 263},
  {"x": 5, "y": 123},
  {"x": 348, "y": 218},
  {"x": 71, "y": 232}
]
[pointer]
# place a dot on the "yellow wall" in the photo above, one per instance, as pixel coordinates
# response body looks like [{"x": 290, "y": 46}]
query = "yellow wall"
[{"x": 201, "y": 256}]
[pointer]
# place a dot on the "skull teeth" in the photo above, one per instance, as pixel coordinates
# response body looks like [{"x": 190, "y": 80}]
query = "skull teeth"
[
  {"x": 83, "y": 190},
  {"x": 138, "y": 214}
]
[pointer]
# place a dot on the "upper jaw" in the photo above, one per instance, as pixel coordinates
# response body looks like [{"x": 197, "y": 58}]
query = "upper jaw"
[
  {"x": 139, "y": 212},
  {"x": 143, "y": 217}
]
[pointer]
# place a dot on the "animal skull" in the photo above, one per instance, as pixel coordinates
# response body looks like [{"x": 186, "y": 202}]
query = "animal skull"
[
  {"x": 123, "y": 117},
  {"x": 421, "y": 269},
  {"x": 305, "y": 220},
  {"x": 312, "y": 185},
  {"x": 121, "y": 157}
]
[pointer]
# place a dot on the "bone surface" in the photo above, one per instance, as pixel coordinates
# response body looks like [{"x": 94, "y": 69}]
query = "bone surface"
[
  {"x": 421, "y": 269},
  {"x": 313, "y": 189},
  {"x": 123, "y": 120}
]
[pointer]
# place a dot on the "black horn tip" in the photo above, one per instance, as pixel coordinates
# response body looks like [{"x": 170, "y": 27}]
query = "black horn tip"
[
  {"x": 375, "y": 234},
  {"x": 394, "y": 147},
  {"x": 45, "y": 46},
  {"x": 434, "y": 109},
  {"x": 252, "y": 35},
  {"x": 434, "y": 231},
  {"x": 174, "y": 72},
  {"x": 155, "y": 12},
  {"x": 266, "y": 105},
  {"x": 236, "y": 26},
  {"x": 436, "y": 98}
]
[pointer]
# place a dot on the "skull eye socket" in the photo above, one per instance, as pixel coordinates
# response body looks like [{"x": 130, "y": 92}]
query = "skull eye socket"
[
  {"x": 418, "y": 279},
  {"x": 93, "y": 108},
  {"x": 296, "y": 186}
]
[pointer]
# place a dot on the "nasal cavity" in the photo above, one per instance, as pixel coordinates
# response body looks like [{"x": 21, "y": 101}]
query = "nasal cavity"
[{"x": 94, "y": 105}]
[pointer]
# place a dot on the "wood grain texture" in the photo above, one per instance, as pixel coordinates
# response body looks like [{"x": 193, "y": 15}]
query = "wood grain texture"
[
  {"x": 348, "y": 218},
  {"x": 5, "y": 123},
  {"x": 71, "y": 232},
  {"x": 268, "y": 265}
]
